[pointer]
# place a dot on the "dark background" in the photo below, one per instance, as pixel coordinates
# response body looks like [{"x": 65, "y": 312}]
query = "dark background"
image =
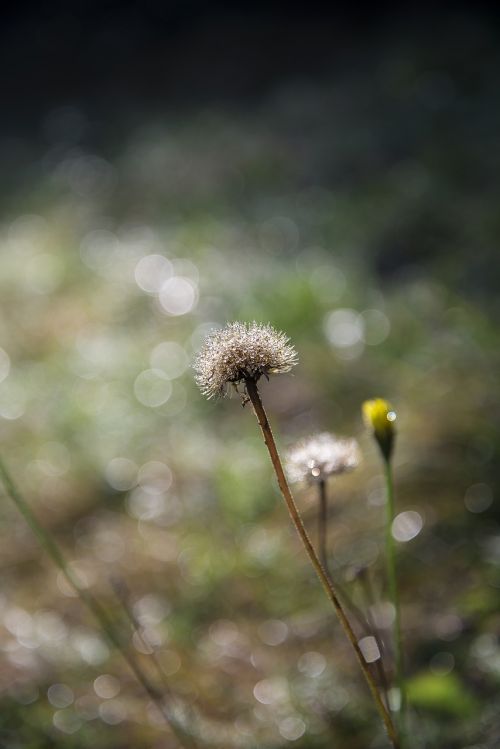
[{"x": 119, "y": 66}]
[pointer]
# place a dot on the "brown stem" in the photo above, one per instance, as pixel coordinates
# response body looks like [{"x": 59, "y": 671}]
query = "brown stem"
[{"x": 254, "y": 396}]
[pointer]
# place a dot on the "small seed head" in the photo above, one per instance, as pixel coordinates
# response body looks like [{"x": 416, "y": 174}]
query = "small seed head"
[
  {"x": 320, "y": 456},
  {"x": 241, "y": 351},
  {"x": 379, "y": 417}
]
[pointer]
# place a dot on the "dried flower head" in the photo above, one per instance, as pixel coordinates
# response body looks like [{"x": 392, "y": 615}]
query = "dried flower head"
[
  {"x": 320, "y": 456},
  {"x": 379, "y": 416},
  {"x": 241, "y": 351}
]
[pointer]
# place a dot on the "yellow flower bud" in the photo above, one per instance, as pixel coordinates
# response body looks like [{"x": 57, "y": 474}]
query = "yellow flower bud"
[{"x": 380, "y": 417}]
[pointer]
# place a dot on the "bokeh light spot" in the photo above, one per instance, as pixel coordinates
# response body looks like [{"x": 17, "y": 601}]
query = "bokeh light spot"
[
  {"x": 67, "y": 721},
  {"x": 99, "y": 249},
  {"x": 271, "y": 691},
  {"x": 407, "y": 525},
  {"x": 89, "y": 647},
  {"x": 54, "y": 458},
  {"x": 376, "y": 326},
  {"x": 311, "y": 664},
  {"x": 344, "y": 329},
  {"x": 171, "y": 358},
  {"x": 442, "y": 663},
  {"x": 273, "y": 632},
  {"x": 121, "y": 474},
  {"x": 151, "y": 272},
  {"x": 369, "y": 647},
  {"x": 112, "y": 712},
  {"x": 144, "y": 505},
  {"x": 49, "y": 626},
  {"x": 178, "y": 296},
  {"x": 292, "y": 728},
  {"x": 106, "y": 686},
  {"x": 478, "y": 498},
  {"x": 60, "y": 695},
  {"x": 155, "y": 477},
  {"x": 152, "y": 388},
  {"x": 151, "y": 609}
]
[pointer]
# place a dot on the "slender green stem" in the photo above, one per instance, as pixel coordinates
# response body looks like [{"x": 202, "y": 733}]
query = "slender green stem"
[
  {"x": 394, "y": 594},
  {"x": 260, "y": 413},
  {"x": 106, "y": 623}
]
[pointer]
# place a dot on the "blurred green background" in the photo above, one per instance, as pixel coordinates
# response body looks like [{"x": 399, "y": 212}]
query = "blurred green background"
[{"x": 170, "y": 168}]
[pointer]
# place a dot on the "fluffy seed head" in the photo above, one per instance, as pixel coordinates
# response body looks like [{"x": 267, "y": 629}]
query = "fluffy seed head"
[
  {"x": 241, "y": 351},
  {"x": 320, "y": 456}
]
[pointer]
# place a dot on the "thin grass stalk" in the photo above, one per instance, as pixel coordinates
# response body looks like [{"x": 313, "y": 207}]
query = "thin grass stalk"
[
  {"x": 367, "y": 592},
  {"x": 345, "y": 599},
  {"x": 253, "y": 394},
  {"x": 106, "y": 624},
  {"x": 364, "y": 620},
  {"x": 394, "y": 595},
  {"x": 121, "y": 591}
]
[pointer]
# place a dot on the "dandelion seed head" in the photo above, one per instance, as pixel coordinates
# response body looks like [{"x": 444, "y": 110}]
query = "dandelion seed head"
[
  {"x": 241, "y": 351},
  {"x": 322, "y": 455}
]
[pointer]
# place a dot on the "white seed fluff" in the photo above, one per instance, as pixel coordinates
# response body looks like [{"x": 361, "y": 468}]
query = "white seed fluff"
[
  {"x": 241, "y": 351},
  {"x": 322, "y": 455}
]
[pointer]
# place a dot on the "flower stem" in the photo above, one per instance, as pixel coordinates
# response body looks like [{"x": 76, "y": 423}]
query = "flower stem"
[
  {"x": 254, "y": 396},
  {"x": 394, "y": 594},
  {"x": 364, "y": 620},
  {"x": 323, "y": 524},
  {"x": 367, "y": 593},
  {"x": 106, "y": 623}
]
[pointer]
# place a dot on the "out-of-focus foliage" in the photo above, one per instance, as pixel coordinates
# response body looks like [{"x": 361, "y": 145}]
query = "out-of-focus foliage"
[{"x": 359, "y": 215}]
